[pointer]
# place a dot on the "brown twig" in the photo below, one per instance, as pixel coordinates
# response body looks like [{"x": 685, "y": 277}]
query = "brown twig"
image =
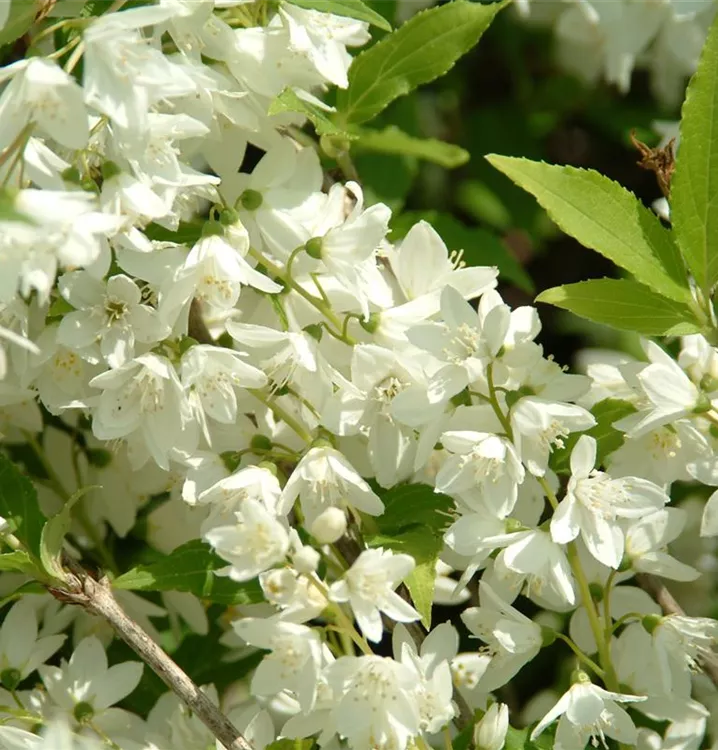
[
  {"x": 660, "y": 161},
  {"x": 196, "y": 327},
  {"x": 97, "y": 598},
  {"x": 657, "y": 589}
]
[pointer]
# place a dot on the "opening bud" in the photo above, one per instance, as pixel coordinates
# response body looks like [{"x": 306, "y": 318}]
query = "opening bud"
[
  {"x": 329, "y": 526},
  {"x": 306, "y": 560},
  {"x": 110, "y": 170},
  {"x": 10, "y": 678},
  {"x": 212, "y": 228},
  {"x": 651, "y": 622},
  {"x": 228, "y": 216},
  {"x": 372, "y": 324},
  {"x": 490, "y": 732},
  {"x": 83, "y": 712},
  {"x": 251, "y": 200},
  {"x": 260, "y": 444},
  {"x": 702, "y": 405},
  {"x": 313, "y": 248}
]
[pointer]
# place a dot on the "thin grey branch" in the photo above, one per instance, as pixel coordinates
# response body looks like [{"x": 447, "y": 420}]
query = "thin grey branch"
[{"x": 97, "y": 598}]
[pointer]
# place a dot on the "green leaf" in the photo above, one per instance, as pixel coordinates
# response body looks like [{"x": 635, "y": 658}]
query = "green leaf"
[
  {"x": 347, "y": 8},
  {"x": 19, "y": 507},
  {"x": 604, "y": 216},
  {"x": 414, "y": 520},
  {"x": 478, "y": 246},
  {"x": 59, "y": 307},
  {"x": 694, "y": 185},
  {"x": 29, "y": 587},
  {"x": 392, "y": 140},
  {"x": 425, "y": 547},
  {"x": 288, "y": 744},
  {"x": 424, "y": 48},
  {"x": 191, "y": 568},
  {"x": 8, "y": 212},
  {"x": 19, "y": 561},
  {"x": 20, "y": 18},
  {"x": 414, "y": 505},
  {"x": 289, "y": 101},
  {"x": 624, "y": 304},
  {"x": 54, "y": 533},
  {"x": 188, "y": 233},
  {"x": 608, "y": 438}
]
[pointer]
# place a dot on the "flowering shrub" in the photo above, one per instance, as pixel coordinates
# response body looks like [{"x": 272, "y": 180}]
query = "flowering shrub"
[{"x": 258, "y": 442}]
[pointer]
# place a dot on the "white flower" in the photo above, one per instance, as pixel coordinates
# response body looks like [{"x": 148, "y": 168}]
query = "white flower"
[
  {"x": 423, "y": 267},
  {"x": 255, "y": 543},
  {"x": 86, "y": 688},
  {"x": 226, "y": 496},
  {"x": 123, "y": 74},
  {"x": 323, "y": 38},
  {"x": 532, "y": 556},
  {"x": 465, "y": 338},
  {"x": 594, "y": 502},
  {"x": 366, "y": 406},
  {"x": 490, "y": 731},
  {"x": 144, "y": 396},
  {"x": 64, "y": 230},
  {"x": 646, "y": 542},
  {"x": 607, "y": 38},
  {"x": 588, "y": 711},
  {"x": 484, "y": 462},
  {"x": 663, "y": 455},
  {"x": 539, "y": 426},
  {"x": 666, "y": 390},
  {"x": 42, "y": 93},
  {"x": 706, "y": 472},
  {"x": 111, "y": 314},
  {"x": 432, "y": 665},
  {"x": 369, "y": 586},
  {"x": 275, "y": 198},
  {"x": 214, "y": 273},
  {"x": 511, "y": 639},
  {"x": 294, "y": 662},
  {"x": 57, "y": 735},
  {"x": 21, "y": 651},
  {"x": 678, "y": 644},
  {"x": 210, "y": 376},
  {"x": 376, "y": 704},
  {"x": 348, "y": 250},
  {"x": 325, "y": 479}
]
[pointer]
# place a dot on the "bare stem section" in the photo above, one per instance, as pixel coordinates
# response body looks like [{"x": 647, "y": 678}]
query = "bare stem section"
[{"x": 97, "y": 598}]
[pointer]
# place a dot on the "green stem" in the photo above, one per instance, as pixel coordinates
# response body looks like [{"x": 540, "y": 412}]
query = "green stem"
[
  {"x": 493, "y": 400},
  {"x": 607, "y": 621},
  {"x": 602, "y": 639},
  {"x": 581, "y": 656},
  {"x": 283, "y": 414},
  {"x": 345, "y": 624},
  {"x": 321, "y": 305}
]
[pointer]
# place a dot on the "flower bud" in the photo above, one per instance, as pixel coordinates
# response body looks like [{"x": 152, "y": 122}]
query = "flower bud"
[
  {"x": 110, "y": 170},
  {"x": 490, "y": 732},
  {"x": 250, "y": 200},
  {"x": 329, "y": 526},
  {"x": 313, "y": 248},
  {"x": 306, "y": 560},
  {"x": 651, "y": 622},
  {"x": 372, "y": 324}
]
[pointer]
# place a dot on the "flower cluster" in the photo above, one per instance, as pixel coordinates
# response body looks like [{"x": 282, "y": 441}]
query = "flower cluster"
[
  {"x": 602, "y": 39},
  {"x": 208, "y": 342}
]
